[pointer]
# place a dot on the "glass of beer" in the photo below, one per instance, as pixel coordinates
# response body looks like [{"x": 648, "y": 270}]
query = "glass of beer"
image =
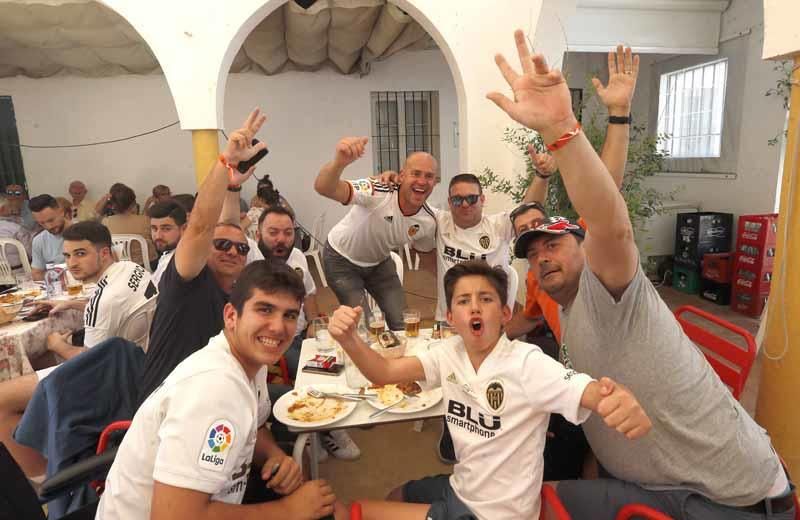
[
  {"x": 447, "y": 330},
  {"x": 377, "y": 324},
  {"x": 411, "y": 321},
  {"x": 74, "y": 287}
]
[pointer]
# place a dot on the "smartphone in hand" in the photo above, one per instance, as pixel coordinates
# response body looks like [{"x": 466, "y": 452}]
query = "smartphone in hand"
[{"x": 246, "y": 165}]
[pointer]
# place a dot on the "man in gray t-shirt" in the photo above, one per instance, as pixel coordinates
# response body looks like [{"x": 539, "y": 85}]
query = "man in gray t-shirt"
[
  {"x": 705, "y": 457},
  {"x": 48, "y": 245}
]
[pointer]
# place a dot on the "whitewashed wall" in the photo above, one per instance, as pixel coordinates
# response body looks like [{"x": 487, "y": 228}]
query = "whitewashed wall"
[{"x": 307, "y": 113}]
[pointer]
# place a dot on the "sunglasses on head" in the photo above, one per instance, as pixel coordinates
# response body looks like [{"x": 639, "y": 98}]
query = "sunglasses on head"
[
  {"x": 223, "y": 244},
  {"x": 457, "y": 200}
]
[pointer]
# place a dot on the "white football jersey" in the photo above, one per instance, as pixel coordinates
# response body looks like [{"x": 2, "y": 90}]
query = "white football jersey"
[
  {"x": 375, "y": 226},
  {"x": 498, "y": 420},
  {"x": 297, "y": 261},
  {"x": 489, "y": 240},
  {"x": 196, "y": 431},
  {"x": 123, "y": 287}
]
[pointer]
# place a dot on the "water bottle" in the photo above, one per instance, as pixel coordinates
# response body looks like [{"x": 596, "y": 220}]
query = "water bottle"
[{"x": 53, "y": 280}]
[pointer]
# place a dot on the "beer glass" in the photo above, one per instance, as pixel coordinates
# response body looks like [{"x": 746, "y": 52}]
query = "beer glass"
[
  {"x": 411, "y": 321},
  {"x": 377, "y": 324}
]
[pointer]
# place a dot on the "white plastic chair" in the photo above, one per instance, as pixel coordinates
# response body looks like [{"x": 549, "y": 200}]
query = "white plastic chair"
[
  {"x": 314, "y": 250},
  {"x": 513, "y": 285},
  {"x": 398, "y": 263},
  {"x": 412, "y": 266},
  {"x": 6, "y": 272},
  {"x": 136, "y": 327},
  {"x": 122, "y": 247}
]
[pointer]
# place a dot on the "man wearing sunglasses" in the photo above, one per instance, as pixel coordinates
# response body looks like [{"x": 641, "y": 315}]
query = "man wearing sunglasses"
[{"x": 208, "y": 259}]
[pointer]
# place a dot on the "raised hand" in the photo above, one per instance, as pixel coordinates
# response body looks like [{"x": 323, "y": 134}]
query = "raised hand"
[
  {"x": 239, "y": 147},
  {"x": 343, "y": 325},
  {"x": 623, "y": 69},
  {"x": 541, "y": 97},
  {"x": 348, "y": 150},
  {"x": 620, "y": 410},
  {"x": 544, "y": 163},
  {"x": 389, "y": 177}
]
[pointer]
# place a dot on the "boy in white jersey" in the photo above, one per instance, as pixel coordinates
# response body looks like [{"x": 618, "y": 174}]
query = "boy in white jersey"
[
  {"x": 188, "y": 451},
  {"x": 122, "y": 286},
  {"x": 498, "y": 396},
  {"x": 357, "y": 254}
]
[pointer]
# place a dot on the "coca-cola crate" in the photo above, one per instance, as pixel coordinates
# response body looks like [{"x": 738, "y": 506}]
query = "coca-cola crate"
[
  {"x": 719, "y": 293},
  {"x": 717, "y": 267},
  {"x": 755, "y": 258},
  {"x": 759, "y": 230},
  {"x": 752, "y": 281},
  {"x": 748, "y": 302}
]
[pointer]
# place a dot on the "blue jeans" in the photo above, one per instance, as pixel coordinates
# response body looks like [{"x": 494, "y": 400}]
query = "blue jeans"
[{"x": 349, "y": 281}]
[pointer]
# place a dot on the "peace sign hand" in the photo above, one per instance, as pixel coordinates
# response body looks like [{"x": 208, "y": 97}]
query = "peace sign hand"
[{"x": 239, "y": 147}]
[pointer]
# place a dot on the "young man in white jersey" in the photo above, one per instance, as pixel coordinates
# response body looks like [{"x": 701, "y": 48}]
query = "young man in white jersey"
[
  {"x": 706, "y": 458},
  {"x": 122, "y": 286},
  {"x": 357, "y": 254},
  {"x": 192, "y": 442},
  {"x": 498, "y": 395}
]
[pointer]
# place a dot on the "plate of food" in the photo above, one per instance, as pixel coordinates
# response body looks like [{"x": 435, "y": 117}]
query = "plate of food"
[
  {"x": 297, "y": 408},
  {"x": 418, "y": 401}
]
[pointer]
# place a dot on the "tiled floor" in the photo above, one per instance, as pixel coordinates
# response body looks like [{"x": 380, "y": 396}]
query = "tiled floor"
[{"x": 395, "y": 453}]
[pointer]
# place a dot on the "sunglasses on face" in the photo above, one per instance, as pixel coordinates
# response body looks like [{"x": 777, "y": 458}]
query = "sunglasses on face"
[
  {"x": 14, "y": 193},
  {"x": 457, "y": 200},
  {"x": 223, "y": 244}
]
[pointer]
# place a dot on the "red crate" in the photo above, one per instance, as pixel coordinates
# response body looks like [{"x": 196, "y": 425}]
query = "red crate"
[
  {"x": 717, "y": 267},
  {"x": 758, "y": 230},
  {"x": 754, "y": 258},
  {"x": 748, "y": 302},
  {"x": 752, "y": 281}
]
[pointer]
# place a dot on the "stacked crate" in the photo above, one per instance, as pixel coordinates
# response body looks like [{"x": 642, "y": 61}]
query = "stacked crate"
[
  {"x": 715, "y": 282},
  {"x": 756, "y": 239},
  {"x": 698, "y": 234}
]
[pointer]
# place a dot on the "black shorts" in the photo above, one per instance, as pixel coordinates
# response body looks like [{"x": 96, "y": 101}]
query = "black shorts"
[{"x": 437, "y": 492}]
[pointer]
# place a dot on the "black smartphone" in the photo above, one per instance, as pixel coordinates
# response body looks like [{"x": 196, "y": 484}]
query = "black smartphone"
[
  {"x": 333, "y": 370},
  {"x": 246, "y": 165}
]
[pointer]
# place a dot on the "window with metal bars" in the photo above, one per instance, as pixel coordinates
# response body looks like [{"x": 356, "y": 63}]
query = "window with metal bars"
[
  {"x": 690, "y": 108},
  {"x": 403, "y": 122}
]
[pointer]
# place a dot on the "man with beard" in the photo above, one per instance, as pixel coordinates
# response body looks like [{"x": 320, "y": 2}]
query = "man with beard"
[
  {"x": 167, "y": 224},
  {"x": 122, "y": 286},
  {"x": 357, "y": 254},
  {"x": 48, "y": 246},
  {"x": 705, "y": 457},
  {"x": 275, "y": 235}
]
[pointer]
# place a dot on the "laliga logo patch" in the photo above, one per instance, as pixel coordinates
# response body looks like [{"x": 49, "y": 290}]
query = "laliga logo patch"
[
  {"x": 484, "y": 241},
  {"x": 219, "y": 438},
  {"x": 363, "y": 186},
  {"x": 413, "y": 230},
  {"x": 495, "y": 395}
]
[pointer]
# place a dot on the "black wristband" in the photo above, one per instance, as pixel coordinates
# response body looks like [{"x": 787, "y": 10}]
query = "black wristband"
[
  {"x": 620, "y": 120},
  {"x": 539, "y": 174},
  {"x": 231, "y": 187}
]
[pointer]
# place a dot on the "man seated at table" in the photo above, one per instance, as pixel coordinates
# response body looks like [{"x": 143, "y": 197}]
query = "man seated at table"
[
  {"x": 167, "y": 225},
  {"x": 498, "y": 395},
  {"x": 122, "y": 286},
  {"x": 706, "y": 457},
  {"x": 189, "y": 457},
  {"x": 48, "y": 246},
  {"x": 11, "y": 228},
  {"x": 82, "y": 206}
]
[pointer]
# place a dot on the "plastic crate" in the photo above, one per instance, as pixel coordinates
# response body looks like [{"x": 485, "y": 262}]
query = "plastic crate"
[
  {"x": 755, "y": 258},
  {"x": 758, "y": 230},
  {"x": 686, "y": 279},
  {"x": 719, "y": 293},
  {"x": 748, "y": 302},
  {"x": 701, "y": 233},
  {"x": 717, "y": 267},
  {"x": 753, "y": 281}
]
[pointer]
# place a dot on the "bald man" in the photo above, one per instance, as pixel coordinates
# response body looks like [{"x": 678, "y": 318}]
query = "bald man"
[
  {"x": 357, "y": 254},
  {"x": 82, "y": 207}
]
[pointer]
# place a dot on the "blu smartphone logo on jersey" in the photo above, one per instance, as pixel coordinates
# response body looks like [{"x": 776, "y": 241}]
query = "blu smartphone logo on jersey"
[{"x": 218, "y": 439}]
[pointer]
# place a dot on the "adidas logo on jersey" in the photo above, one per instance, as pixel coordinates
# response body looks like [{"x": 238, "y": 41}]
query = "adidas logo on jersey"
[
  {"x": 452, "y": 378},
  {"x": 388, "y": 218}
]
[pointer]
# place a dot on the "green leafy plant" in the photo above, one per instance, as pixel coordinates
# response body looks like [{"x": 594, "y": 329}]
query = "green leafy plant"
[
  {"x": 782, "y": 90},
  {"x": 645, "y": 159}
]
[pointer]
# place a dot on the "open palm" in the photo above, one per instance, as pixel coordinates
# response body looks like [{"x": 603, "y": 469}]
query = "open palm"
[
  {"x": 623, "y": 69},
  {"x": 541, "y": 96}
]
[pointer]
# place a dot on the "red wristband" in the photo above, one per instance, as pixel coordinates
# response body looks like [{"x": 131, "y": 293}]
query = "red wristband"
[
  {"x": 564, "y": 139},
  {"x": 227, "y": 165}
]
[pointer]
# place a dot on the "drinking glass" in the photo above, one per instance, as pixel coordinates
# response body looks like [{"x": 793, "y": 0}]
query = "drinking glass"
[{"x": 411, "y": 319}]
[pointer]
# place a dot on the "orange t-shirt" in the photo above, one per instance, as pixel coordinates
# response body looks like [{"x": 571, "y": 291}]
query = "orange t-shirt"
[{"x": 539, "y": 303}]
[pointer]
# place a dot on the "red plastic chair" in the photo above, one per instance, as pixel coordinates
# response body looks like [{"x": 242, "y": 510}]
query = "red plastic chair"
[
  {"x": 641, "y": 511},
  {"x": 551, "y": 500},
  {"x": 100, "y": 485},
  {"x": 355, "y": 511},
  {"x": 284, "y": 375},
  {"x": 731, "y": 352}
]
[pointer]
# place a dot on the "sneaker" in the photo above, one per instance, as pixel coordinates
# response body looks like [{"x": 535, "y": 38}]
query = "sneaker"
[
  {"x": 340, "y": 445},
  {"x": 445, "y": 451},
  {"x": 322, "y": 455}
]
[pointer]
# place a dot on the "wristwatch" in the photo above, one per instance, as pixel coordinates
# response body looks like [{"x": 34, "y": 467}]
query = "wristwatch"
[
  {"x": 231, "y": 187},
  {"x": 620, "y": 120}
]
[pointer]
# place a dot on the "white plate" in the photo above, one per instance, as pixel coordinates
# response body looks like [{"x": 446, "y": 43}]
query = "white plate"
[
  {"x": 281, "y": 408},
  {"x": 425, "y": 400}
]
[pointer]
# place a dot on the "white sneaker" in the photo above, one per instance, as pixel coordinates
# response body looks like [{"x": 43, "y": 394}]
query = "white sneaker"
[
  {"x": 340, "y": 445},
  {"x": 322, "y": 454}
]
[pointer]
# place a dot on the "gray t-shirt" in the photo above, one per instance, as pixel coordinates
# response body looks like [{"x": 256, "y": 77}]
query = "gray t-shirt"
[
  {"x": 47, "y": 248},
  {"x": 702, "y": 439}
]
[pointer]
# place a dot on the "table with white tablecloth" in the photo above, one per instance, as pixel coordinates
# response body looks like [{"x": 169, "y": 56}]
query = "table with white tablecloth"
[{"x": 21, "y": 341}]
